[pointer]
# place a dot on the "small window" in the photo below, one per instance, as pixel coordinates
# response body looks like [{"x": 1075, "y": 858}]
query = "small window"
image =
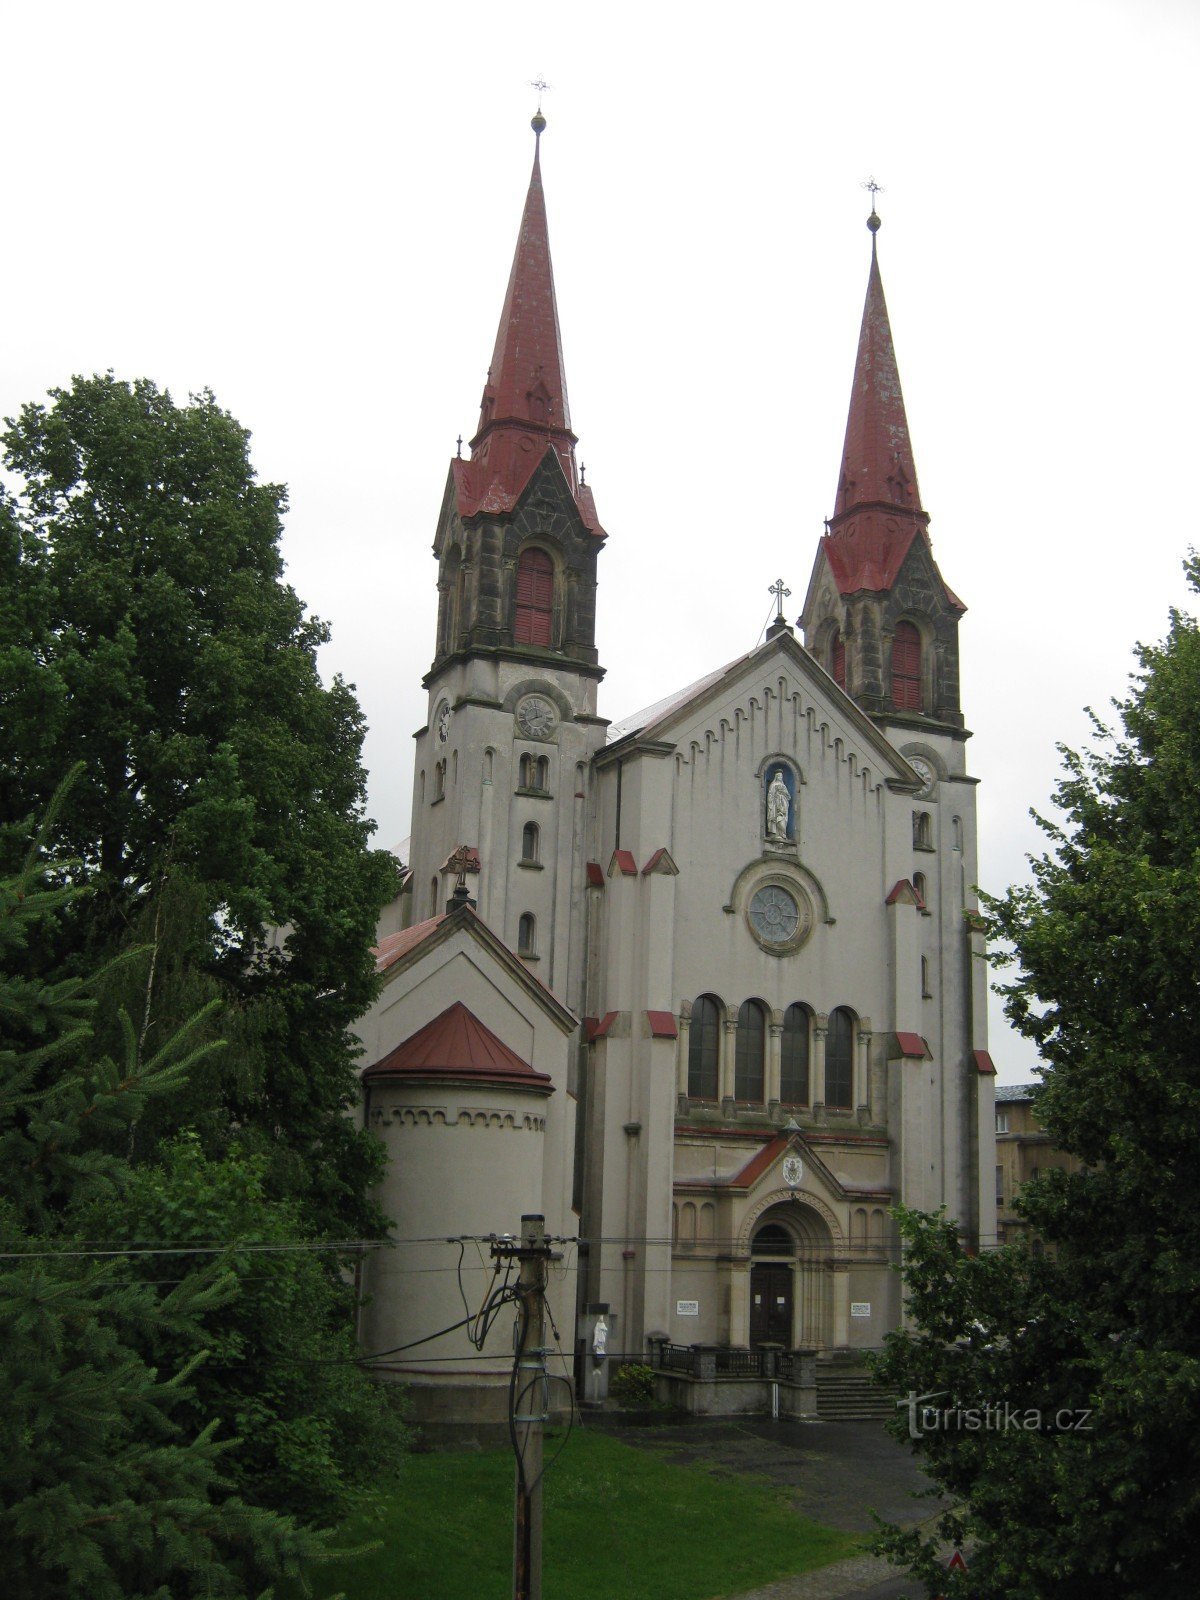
[
  {"x": 527, "y": 935},
  {"x": 525, "y": 772},
  {"x": 439, "y": 780},
  {"x": 837, "y": 659},
  {"x": 542, "y": 773},
  {"x": 1002, "y": 1122},
  {"x": 839, "y": 1060},
  {"x": 433, "y": 897},
  {"x": 906, "y": 668},
  {"x": 922, "y": 831},
  {"x": 999, "y": 1186},
  {"x": 751, "y": 1057},
  {"x": 704, "y": 1036},
  {"x": 535, "y": 598},
  {"x": 529, "y": 842},
  {"x": 926, "y": 992},
  {"x": 956, "y": 824},
  {"x": 919, "y": 889},
  {"x": 793, "y": 1057}
]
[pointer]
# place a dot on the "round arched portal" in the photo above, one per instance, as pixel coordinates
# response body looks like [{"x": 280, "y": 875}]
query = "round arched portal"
[{"x": 791, "y": 1285}]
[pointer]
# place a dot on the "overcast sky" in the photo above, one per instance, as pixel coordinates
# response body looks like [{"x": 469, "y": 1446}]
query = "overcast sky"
[{"x": 312, "y": 210}]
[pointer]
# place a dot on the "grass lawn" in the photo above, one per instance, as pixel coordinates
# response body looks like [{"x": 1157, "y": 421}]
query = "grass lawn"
[{"x": 617, "y": 1521}]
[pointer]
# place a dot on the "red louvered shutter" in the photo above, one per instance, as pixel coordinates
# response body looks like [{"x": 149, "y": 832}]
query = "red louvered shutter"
[
  {"x": 535, "y": 598},
  {"x": 906, "y": 668}
]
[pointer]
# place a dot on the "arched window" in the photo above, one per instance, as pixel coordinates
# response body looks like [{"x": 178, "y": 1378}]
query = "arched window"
[
  {"x": 793, "y": 1062},
  {"x": 839, "y": 1060},
  {"x": 906, "y": 668},
  {"x": 535, "y": 598},
  {"x": 704, "y": 1042},
  {"x": 918, "y": 883},
  {"x": 922, "y": 831},
  {"x": 773, "y": 1240},
  {"x": 525, "y": 772},
  {"x": 837, "y": 658},
  {"x": 439, "y": 780},
  {"x": 749, "y": 1068},
  {"x": 529, "y": 842},
  {"x": 527, "y": 935},
  {"x": 926, "y": 991},
  {"x": 542, "y": 773},
  {"x": 433, "y": 897}
]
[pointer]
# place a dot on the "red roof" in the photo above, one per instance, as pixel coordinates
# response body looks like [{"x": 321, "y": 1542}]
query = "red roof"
[
  {"x": 623, "y": 862},
  {"x": 903, "y": 893},
  {"x": 457, "y": 1045},
  {"x": 399, "y": 944},
  {"x": 662, "y": 1025},
  {"x": 911, "y": 1046},
  {"x": 597, "y": 1028},
  {"x": 595, "y": 875},
  {"x": 524, "y": 412},
  {"x": 759, "y": 1162},
  {"x": 983, "y": 1063},
  {"x": 877, "y": 508}
]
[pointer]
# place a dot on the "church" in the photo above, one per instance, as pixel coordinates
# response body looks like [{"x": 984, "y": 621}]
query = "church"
[{"x": 704, "y": 986}]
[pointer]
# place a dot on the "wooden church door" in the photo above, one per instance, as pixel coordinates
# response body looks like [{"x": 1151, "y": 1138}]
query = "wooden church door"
[{"x": 770, "y": 1303}]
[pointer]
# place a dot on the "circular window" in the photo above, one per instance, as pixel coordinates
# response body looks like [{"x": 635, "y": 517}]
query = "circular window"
[{"x": 780, "y": 916}]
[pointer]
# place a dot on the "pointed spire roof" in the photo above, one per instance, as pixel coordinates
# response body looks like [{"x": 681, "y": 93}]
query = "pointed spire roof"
[
  {"x": 877, "y": 509},
  {"x": 524, "y": 413}
]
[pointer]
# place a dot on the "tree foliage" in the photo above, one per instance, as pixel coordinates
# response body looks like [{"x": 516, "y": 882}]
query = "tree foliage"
[
  {"x": 1102, "y": 946},
  {"x": 108, "y": 1489},
  {"x": 146, "y": 630}
]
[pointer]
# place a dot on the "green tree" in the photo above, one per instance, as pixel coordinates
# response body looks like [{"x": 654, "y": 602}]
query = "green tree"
[
  {"x": 108, "y": 1489},
  {"x": 1105, "y": 978},
  {"x": 145, "y": 629}
]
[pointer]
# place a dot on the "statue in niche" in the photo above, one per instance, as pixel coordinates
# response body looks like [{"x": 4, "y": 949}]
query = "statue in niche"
[{"x": 779, "y": 810}]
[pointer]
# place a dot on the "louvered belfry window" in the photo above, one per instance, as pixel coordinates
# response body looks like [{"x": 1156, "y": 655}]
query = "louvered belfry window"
[
  {"x": 906, "y": 668},
  {"x": 535, "y": 598}
]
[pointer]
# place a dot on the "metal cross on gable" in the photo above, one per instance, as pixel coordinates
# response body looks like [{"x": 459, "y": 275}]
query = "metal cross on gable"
[{"x": 780, "y": 590}]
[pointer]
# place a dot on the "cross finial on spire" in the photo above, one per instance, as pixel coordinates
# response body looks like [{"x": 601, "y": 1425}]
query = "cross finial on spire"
[
  {"x": 873, "y": 220},
  {"x": 781, "y": 592},
  {"x": 538, "y": 122},
  {"x": 460, "y": 447}
]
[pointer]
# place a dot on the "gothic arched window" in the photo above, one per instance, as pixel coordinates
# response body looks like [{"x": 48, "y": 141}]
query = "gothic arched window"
[
  {"x": 535, "y": 598},
  {"x": 793, "y": 1058},
  {"x": 906, "y": 668},
  {"x": 704, "y": 1037},
  {"x": 749, "y": 1071},
  {"x": 837, "y": 659},
  {"x": 839, "y": 1060},
  {"x": 529, "y": 842}
]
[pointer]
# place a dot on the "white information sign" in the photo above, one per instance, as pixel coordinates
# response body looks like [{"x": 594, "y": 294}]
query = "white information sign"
[
  {"x": 687, "y": 1308},
  {"x": 860, "y": 1308}
]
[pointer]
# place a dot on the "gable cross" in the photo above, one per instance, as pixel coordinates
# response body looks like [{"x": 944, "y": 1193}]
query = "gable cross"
[{"x": 780, "y": 590}]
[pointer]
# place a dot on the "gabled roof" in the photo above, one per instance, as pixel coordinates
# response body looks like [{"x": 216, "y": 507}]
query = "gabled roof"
[
  {"x": 1016, "y": 1093},
  {"x": 457, "y": 1045},
  {"x": 401, "y": 950},
  {"x": 660, "y": 720}
]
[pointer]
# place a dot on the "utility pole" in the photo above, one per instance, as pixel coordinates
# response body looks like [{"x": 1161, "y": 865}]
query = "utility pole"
[{"x": 530, "y": 1405}]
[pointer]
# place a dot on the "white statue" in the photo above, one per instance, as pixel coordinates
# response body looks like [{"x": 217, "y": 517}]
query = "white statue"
[{"x": 779, "y": 804}]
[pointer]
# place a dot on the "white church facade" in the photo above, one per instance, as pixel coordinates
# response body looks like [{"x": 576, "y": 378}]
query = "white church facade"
[{"x": 709, "y": 994}]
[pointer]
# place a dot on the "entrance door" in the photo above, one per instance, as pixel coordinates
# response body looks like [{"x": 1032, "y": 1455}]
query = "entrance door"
[{"x": 770, "y": 1303}]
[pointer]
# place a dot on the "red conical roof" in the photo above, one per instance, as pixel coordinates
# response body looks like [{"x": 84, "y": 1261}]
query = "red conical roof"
[
  {"x": 457, "y": 1045},
  {"x": 877, "y": 510},
  {"x": 524, "y": 412}
]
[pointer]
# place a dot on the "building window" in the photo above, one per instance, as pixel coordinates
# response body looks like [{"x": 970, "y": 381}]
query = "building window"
[
  {"x": 906, "y": 668},
  {"x": 529, "y": 843},
  {"x": 433, "y": 897},
  {"x": 527, "y": 935},
  {"x": 749, "y": 1071},
  {"x": 704, "y": 1043},
  {"x": 535, "y": 598},
  {"x": 918, "y": 883},
  {"x": 793, "y": 1057},
  {"x": 839, "y": 1060},
  {"x": 926, "y": 991},
  {"x": 922, "y": 830},
  {"x": 1002, "y": 1122},
  {"x": 837, "y": 659},
  {"x": 999, "y": 1186},
  {"x": 534, "y": 773},
  {"x": 439, "y": 780}
]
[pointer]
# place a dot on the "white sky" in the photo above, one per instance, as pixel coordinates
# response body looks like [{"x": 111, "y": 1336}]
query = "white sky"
[{"x": 312, "y": 210}]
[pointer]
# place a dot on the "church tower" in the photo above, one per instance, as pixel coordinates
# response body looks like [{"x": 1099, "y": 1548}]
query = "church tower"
[
  {"x": 879, "y": 616},
  {"x": 502, "y": 764}
]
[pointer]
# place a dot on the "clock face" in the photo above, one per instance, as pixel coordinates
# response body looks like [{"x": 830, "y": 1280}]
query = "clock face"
[
  {"x": 535, "y": 716},
  {"x": 774, "y": 914},
  {"x": 925, "y": 771},
  {"x": 443, "y": 722}
]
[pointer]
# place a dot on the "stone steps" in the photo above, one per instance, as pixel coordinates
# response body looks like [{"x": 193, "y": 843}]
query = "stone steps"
[{"x": 851, "y": 1397}]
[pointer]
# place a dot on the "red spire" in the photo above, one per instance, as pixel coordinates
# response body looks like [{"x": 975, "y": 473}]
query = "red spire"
[
  {"x": 878, "y": 505},
  {"x": 524, "y": 410}
]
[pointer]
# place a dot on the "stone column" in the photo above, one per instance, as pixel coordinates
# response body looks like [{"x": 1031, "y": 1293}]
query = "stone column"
[
  {"x": 681, "y": 1058},
  {"x": 739, "y": 1302},
  {"x": 727, "y": 1064},
  {"x": 774, "y": 1066},
  {"x": 816, "y": 1087},
  {"x": 862, "y": 1087}
]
